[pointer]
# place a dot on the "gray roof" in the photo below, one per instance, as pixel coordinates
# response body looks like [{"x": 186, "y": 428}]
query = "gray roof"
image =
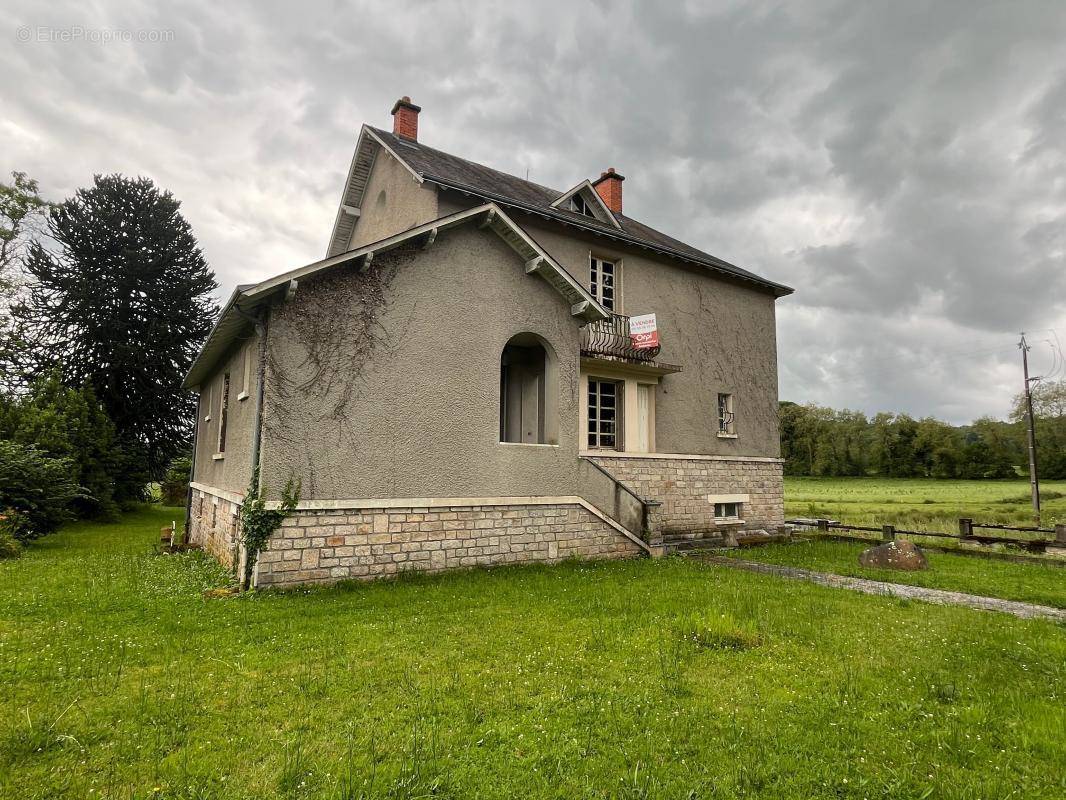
[{"x": 454, "y": 172}]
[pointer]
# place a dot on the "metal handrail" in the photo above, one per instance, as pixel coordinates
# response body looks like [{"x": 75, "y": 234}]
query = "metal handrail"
[{"x": 610, "y": 337}]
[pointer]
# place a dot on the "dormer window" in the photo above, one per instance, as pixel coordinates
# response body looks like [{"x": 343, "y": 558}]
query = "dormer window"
[{"x": 578, "y": 205}]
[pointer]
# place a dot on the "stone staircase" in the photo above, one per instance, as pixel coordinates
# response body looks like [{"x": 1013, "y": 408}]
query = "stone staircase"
[{"x": 700, "y": 541}]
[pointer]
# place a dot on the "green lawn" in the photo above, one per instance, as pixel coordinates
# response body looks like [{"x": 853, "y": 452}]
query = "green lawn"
[
  {"x": 921, "y": 504},
  {"x": 1030, "y": 583},
  {"x": 669, "y": 679}
]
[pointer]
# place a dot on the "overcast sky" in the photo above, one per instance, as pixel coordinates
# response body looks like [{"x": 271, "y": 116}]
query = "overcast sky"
[{"x": 902, "y": 165}]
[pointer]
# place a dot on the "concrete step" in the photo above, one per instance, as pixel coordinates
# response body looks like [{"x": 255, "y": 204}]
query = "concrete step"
[{"x": 689, "y": 544}]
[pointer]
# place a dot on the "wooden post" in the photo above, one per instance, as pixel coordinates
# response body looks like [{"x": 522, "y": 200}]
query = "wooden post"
[
  {"x": 888, "y": 532},
  {"x": 1060, "y": 534},
  {"x": 823, "y": 525},
  {"x": 965, "y": 528}
]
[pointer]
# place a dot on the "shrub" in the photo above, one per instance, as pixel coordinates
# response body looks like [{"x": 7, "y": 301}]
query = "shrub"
[
  {"x": 12, "y": 524},
  {"x": 39, "y": 487},
  {"x": 70, "y": 423},
  {"x": 176, "y": 482}
]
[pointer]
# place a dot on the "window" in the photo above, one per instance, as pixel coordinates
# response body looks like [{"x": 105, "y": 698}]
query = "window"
[
  {"x": 578, "y": 204},
  {"x": 727, "y": 510},
  {"x": 603, "y": 415},
  {"x": 602, "y": 281},
  {"x": 725, "y": 415},
  {"x": 223, "y": 412},
  {"x": 247, "y": 373}
]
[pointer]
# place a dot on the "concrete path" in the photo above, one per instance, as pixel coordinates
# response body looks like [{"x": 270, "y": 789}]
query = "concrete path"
[{"x": 940, "y": 596}]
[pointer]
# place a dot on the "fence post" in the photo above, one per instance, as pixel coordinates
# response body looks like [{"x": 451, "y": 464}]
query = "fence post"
[
  {"x": 888, "y": 532},
  {"x": 823, "y": 525},
  {"x": 1060, "y": 534},
  {"x": 965, "y": 528}
]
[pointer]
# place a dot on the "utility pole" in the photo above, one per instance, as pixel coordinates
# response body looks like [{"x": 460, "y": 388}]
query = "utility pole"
[{"x": 1034, "y": 482}]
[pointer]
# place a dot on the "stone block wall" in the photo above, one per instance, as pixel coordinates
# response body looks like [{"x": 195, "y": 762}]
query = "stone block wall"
[
  {"x": 683, "y": 485},
  {"x": 321, "y": 546},
  {"x": 213, "y": 525}
]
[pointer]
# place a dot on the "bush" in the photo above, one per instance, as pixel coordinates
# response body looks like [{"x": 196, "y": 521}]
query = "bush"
[
  {"x": 175, "y": 484},
  {"x": 12, "y": 523},
  {"x": 40, "y": 488},
  {"x": 70, "y": 423}
]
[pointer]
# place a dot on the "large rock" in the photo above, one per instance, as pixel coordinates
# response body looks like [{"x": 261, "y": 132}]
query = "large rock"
[{"x": 897, "y": 554}]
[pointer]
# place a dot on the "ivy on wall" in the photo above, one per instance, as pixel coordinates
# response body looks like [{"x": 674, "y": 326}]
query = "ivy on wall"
[{"x": 258, "y": 522}]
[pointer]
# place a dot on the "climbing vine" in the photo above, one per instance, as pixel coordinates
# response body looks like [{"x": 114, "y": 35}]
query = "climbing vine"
[
  {"x": 324, "y": 338},
  {"x": 258, "y": 522}
]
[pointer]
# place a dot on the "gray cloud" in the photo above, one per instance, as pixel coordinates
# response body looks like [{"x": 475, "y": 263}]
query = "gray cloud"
[{"x": 902, "y": 165}]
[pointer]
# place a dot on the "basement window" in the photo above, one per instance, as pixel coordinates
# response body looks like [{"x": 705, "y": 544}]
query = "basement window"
[
  {"x": 726, "y": 511},
  {"x": 579, "y": 206},
  {"x": 602, "y": 286}
]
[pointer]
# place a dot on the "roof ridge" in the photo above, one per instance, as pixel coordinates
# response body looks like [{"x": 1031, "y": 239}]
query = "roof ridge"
[{"x": 477, "y": 164}]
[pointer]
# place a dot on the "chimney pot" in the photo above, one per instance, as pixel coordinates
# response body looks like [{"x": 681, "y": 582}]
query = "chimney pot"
[
  {"x": 405, "y": 118},
  {"x": 609, "y": 188}
]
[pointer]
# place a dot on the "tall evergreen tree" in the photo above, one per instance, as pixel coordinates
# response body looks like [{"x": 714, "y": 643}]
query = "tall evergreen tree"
[{"x": 122, "y": 304}]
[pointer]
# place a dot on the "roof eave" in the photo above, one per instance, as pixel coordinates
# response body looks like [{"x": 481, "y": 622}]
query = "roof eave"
[{"x": 537, "y": 260}]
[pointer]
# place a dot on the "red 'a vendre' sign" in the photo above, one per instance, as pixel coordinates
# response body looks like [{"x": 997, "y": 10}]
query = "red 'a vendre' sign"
[{"x": 642, "y": 332}]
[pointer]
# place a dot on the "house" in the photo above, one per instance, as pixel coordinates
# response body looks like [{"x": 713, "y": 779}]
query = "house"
[{"x": 458, "y": 381}]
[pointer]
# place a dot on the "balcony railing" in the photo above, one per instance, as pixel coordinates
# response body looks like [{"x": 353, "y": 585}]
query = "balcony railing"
[{"x": 610, "y": 338}]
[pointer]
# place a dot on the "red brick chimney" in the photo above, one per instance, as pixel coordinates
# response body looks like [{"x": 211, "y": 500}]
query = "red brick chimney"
[
  {"x": 405, "y": 118},
  {"x": 609, "y": 188}
]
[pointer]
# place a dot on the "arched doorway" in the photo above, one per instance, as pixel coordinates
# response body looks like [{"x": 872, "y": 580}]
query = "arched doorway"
[{"x": 528, "y": 391}]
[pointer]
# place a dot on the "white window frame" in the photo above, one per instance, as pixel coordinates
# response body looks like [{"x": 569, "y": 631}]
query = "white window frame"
[
  {"x": 247, "y": 369},
  {"x": 594, "y": 435},
  {"x": 598, "y": 286},
  {"x": 726, "y": 416},
  {"x": 579, "y": 205},
  {"x": 722, "y": 511}
]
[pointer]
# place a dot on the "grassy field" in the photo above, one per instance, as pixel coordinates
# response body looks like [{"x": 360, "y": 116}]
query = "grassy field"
[
  {"x": 633, "y": 679},
  {"x": 1030, "y": 583},
  {"x": 921, "y": 504}
]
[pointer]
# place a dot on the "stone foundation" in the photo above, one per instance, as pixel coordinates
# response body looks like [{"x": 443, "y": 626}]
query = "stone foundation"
[
  {"x": 683, "y": 484},
  {"x": 214, "y": 524},
  {"x": 318, "y": 546}
]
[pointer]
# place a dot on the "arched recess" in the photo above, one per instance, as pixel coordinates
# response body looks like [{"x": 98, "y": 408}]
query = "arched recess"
[{"x": 529, "y": 391}]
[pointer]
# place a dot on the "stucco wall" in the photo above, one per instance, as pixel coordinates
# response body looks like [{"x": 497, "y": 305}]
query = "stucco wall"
[
  {"x": 394, "y": 201},
  {"x": 722, "y": 334},
  {"x": 234, "y": 470},
  {"x": 409, "y": 407}
]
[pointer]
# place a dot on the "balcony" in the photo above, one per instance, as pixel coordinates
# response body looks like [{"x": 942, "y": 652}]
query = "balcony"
[{"x": 609, "y": 338}]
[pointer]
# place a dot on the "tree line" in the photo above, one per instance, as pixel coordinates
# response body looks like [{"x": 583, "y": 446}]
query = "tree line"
[
  {"x": 107, "y": 298},
  {"x": 819, "y": 441}
]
